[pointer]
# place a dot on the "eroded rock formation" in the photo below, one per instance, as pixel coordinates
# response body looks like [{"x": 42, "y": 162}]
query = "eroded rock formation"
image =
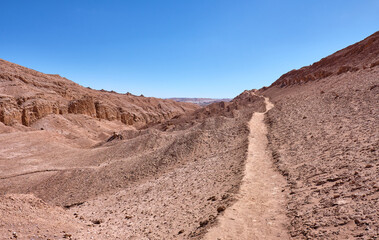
[{"x": 27, "y": 95}]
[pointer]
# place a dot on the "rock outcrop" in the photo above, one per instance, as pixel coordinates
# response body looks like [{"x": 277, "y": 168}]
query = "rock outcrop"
[{"x": 27, "y": 95}]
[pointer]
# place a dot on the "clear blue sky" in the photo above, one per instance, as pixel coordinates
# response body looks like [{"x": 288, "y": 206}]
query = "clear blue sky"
[{"x": 179, "y": 48}]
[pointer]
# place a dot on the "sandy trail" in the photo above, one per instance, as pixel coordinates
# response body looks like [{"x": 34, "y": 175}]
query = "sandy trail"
[{"x": 259, "y": 212}]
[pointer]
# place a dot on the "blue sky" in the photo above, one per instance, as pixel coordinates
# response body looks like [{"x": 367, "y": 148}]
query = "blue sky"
[{"x": 175, "y": 48}]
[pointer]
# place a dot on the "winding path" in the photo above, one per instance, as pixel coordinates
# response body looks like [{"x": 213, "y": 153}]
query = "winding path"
[{"x": 259, "y": 212}]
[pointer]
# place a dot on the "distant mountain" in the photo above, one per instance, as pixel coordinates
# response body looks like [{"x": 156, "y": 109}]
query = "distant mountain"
[{"x": 201, "y": 101}]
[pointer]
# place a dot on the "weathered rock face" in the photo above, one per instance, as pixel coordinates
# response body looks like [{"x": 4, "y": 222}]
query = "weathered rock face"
[
  {"x": 85, "y": 106},
  {"x": 362, "y": 55},
  {"x": 27, "y": 95},
  {"x": 36, "y": 110},
  {"x": 8, "y": 110}
]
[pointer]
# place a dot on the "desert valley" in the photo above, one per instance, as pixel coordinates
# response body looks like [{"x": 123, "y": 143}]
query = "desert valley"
[{"x": 295, "y": 160}]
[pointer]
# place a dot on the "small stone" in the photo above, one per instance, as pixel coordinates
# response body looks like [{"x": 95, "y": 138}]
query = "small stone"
[
  {"x": 66, "y": 235},
  {"x": 213, "y": 198},
  {"x": 96, "y": 221},
  {"x": 203, "y": 223},
  {"x": 221, "y": 209}
]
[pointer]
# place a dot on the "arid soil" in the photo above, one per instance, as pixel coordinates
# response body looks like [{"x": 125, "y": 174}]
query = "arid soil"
[
  {"x": 324, "y": 137},
  {"x": 155, "y": 185},
  {"x": 24, "y": 216},
  {"x": 166, "y": 181},
  {"x": 259, "y": 211},
  {"x": 177, "y": 201}
]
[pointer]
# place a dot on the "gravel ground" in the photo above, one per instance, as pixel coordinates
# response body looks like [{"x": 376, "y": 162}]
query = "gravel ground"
[
  {"x": 147, "y": 184},
  {"x": 324, "y": 136}
]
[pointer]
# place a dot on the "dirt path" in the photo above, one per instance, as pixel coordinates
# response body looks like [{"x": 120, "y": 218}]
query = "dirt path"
[{"x": 259, "y": 210}]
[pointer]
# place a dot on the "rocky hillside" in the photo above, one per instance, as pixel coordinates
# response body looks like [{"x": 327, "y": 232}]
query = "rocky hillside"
[
  {"x": 361, "y": 55},
  {"x": 243, "y": 102},
  {"x": 167, "y": 181},
  {"x": 324, "y": 137},
  {"x": 27, "y": 95},
  {"x": 154, "y": 183}
]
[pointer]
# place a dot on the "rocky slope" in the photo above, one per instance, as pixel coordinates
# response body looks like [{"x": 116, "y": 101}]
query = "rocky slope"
[
  {"x": 361, "y": 55},
  {"x": 27, "y": 95},
  {"x": 147, "y": 184},
  {"x": 167, "y": 181},
  {"x": 26, "y": 214},
  {"x": 231, "y": 109},
  {"x": 325, "y": 138}
]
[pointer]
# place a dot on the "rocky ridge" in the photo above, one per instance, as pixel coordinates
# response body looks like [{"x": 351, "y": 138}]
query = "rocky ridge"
[
  {"x": 361, "y": 55},
  {"x": 27, "y": 95}
]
